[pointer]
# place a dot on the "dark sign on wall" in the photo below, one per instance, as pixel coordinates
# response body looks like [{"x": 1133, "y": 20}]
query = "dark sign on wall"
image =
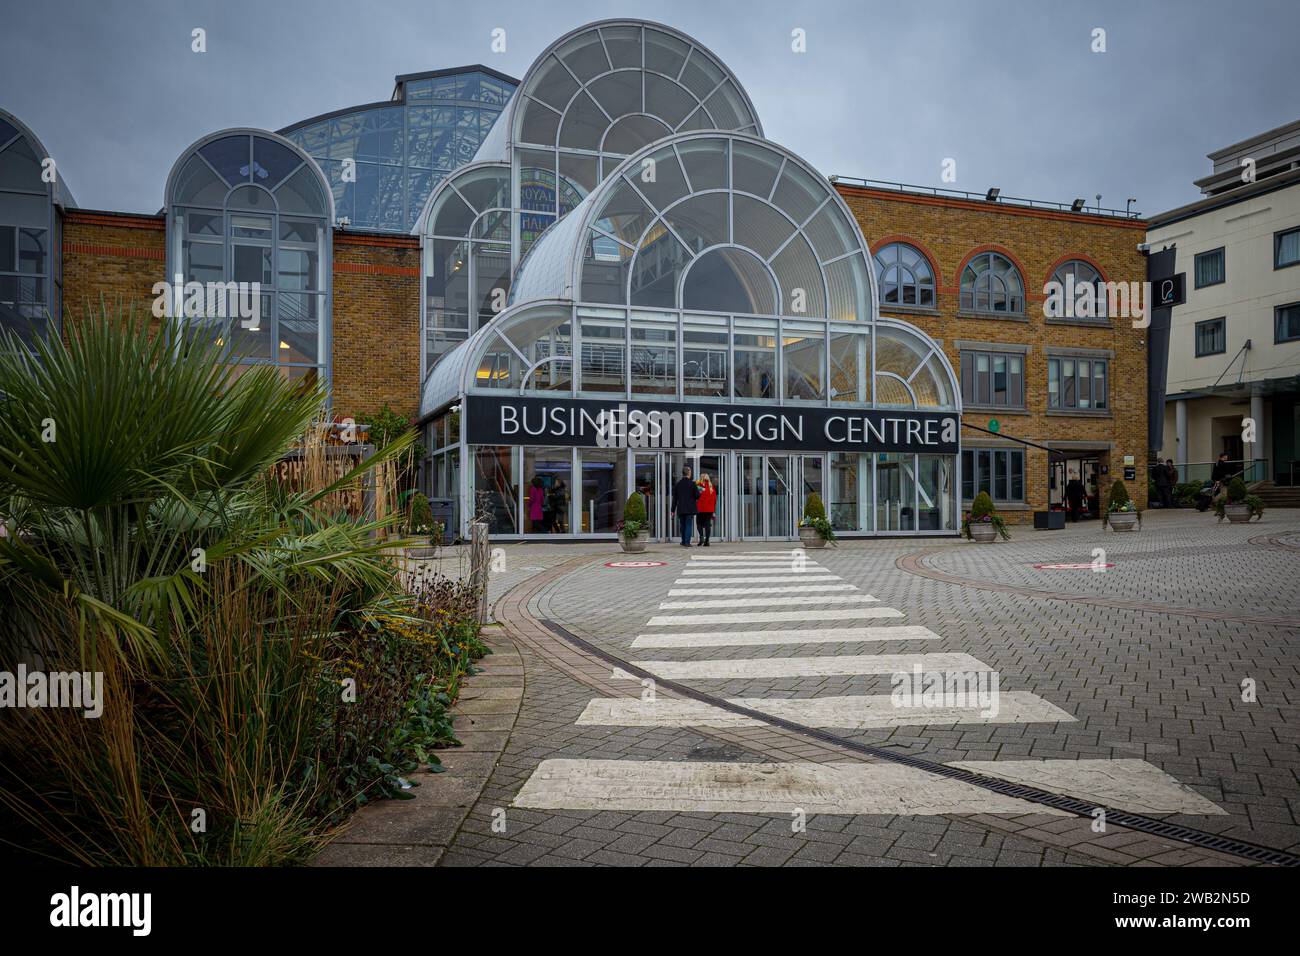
[{"x": 592, "y": 423}]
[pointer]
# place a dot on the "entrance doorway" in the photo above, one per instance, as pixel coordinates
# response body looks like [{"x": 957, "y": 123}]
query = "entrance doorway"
[
  {"x": 773, "y": 489},
  {"x": 655, "y": 474},
  {"x": 1063, "y": 471}
]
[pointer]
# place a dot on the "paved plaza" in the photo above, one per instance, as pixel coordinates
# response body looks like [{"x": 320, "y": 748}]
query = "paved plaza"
[{"x": 729, "y": 706}]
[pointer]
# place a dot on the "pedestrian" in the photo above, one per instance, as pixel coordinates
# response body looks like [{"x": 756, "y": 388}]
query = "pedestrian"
[
  {"x": 1160, "y": 474},
  {"x": 1172, "y": 470},
  {"x": 685, "y": 496},
  {"x": 536, "y": 505},
  {"x": 1221, "y": 474},
  {"x": 706, "y": 506},
  {"x": 1074, "y": 494},
  {"x": 558, "y": 505}
]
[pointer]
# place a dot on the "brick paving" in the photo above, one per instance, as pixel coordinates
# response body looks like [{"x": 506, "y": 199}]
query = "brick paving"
[{"x": 1142, "y": 682}]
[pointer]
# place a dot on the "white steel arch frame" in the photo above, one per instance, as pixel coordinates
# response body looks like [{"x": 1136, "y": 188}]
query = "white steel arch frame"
[
  {"x": 18, "y": 201},
  {"x": 176, "y": 209}
]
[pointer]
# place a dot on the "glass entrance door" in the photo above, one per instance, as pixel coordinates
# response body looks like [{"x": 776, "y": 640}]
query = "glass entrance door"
[
  {"x": 767, "y": 498},
  {"x": 647, "y": 480}
]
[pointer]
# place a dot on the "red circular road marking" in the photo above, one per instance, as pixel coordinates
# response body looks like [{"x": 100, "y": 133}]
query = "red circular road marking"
[
  {"x": 635, "y": 564},
  {"x": 1082, "y": 566}
]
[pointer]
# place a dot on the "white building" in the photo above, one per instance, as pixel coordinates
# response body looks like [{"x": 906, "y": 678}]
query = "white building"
[{"x": 1234, "y": 345}]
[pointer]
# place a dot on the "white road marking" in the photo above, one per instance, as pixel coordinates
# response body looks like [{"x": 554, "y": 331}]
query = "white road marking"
[
  {"x": 765, "y": 617},
  {"x": 805, "y": 601},
  {"x": 776, "y": 573},
  {"x": 818, "y": 666},
  {"x": 793, "y": 589},
  {"x": 841, "y": 788},
  {"x": 848, "y": 713},
  {"x": 1123, "y": 782},
  {"x": 768, "y": 556},
  {"x": 807, "y": 635},
  {"x": 709, "y": 787},
  {"x": 690, "y": 579}
]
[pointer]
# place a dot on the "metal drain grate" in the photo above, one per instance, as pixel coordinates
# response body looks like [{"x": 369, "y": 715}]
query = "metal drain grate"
[{"x": 1083, "y": 808}]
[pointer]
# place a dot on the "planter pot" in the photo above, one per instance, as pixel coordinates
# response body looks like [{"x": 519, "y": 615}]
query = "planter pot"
[
  {"x": 426, "y": 553},
  {"x": 635, "y": 545},
  {"x": 1122, "y": 520},
  {"x": 983, "y": 533},
  {"x": 809, "y": 538},
  {"x": 1237, "y": 514}
]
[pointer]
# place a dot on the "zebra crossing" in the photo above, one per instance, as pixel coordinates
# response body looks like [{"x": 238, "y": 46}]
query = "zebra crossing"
[{"x": 789, "y": 588}]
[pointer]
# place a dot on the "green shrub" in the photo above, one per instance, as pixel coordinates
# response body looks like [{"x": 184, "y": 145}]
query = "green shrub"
[
  {"x": 814, "y": 516},
  {"x": 1185, "y": 493},
  {"x": 421, "y": 520},
  {"x": 634, "y": 510},
  {"x": 1237, "y": 491},
  {"x": 982, "y": 506},
  {"x": 982, "y": 511},
  {"x": 1118, "y": 496}
]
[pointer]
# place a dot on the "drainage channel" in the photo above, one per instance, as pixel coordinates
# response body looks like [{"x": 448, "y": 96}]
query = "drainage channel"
[{"x": 1132, "y": 821}]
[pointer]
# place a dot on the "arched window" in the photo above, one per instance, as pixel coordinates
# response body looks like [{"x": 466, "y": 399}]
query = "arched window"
[
  {"x": 1071, "y": 277},
  {"x": 28, "y": 235},
  {"x": 904, "y": 276},
  {"x": 248, "y": 218},
  {"x": 991, "y": 283}
]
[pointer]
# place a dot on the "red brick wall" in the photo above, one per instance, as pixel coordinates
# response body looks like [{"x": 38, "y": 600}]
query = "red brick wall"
[{"x": 949, "y": 231}]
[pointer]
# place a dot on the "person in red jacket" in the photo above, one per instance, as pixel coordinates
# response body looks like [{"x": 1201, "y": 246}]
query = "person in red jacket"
[{"x": 705, "y": 506}]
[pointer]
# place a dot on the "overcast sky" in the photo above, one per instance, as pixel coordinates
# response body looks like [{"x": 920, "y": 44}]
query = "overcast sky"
[{"x": 1010, "y": 89}]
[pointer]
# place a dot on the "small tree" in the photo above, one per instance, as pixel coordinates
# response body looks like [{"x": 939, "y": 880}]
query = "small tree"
[
  {"x": 982, "y": 506},
  {"x": 1119, "y": 499},
  {"x": 814, "y": 516},
  {"x": 1237, "y": 491},
  {"x": 634, "y": 517},
  {"x": 421, "y": 515}
]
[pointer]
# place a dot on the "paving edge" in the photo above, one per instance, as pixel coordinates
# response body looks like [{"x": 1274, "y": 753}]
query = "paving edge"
[
  {"x": 417, "y": 832},
  {"x": 1118, "y": 847}
]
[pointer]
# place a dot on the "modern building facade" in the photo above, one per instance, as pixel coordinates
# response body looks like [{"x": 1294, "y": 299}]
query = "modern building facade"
[
  {"x": 1045, "y": 397},
  {"x": 1233, "y": 380},
  {"x": 625, "y": 276}
]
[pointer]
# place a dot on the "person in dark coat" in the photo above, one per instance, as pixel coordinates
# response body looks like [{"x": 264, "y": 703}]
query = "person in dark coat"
[
  {"x": 1074, "y": 495},
  {"x": 685, "y": 494},
  {"x": 1222, "y": 473},
  {"x": 1163, "y": 478}
]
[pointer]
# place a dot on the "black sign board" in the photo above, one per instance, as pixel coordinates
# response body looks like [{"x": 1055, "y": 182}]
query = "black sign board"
[
  {"x": 616, "y": 423},
  {"x": 1169, "y": 291}
]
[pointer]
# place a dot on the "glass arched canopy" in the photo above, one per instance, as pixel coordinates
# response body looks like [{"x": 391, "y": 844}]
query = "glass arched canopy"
[
  {"x": 30, "y": 189},
  {"x": 251, "y": 208},
  {"x": 589, "y": 101},
  {"x": 708, "y": 267}
]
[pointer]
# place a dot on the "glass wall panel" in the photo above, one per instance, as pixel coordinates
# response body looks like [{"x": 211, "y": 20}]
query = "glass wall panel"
[
  {"x": 803, "y": 357},
  {"x": 937, "y": 493},
  {"x": 755, "y": 358},
  {"x": 548, "y": 492},
  {"x": 850, "y": 358},
  {"x": 604, "y": 354},
  {"x": 646, "y": 482},
  {"x": 848, "y": 498},
  {"x": 895, "y": 492},
  {"x": 704, "y": 357},
  {"x": 654, "y": 356},
  {"x": 604, "y": 483},
  {"x": 496, "y": 488}
]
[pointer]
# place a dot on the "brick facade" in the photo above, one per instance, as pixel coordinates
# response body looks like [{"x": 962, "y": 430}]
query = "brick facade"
[
  {"x": 376, "y": 324},
  {"x": 119, "y": 257},
  {"x": 949, "y": 232}
]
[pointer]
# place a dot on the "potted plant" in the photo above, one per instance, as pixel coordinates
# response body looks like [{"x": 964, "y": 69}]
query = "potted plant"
[
  {"x": 420, "y": 523},
  {"x": 1121, "y": 513},
  {"x": 984, "y": 524},
  {"x": 1237, "y": 504},
  {"x": 815, "y": 528},
  {"x": 634, "y": 529}
]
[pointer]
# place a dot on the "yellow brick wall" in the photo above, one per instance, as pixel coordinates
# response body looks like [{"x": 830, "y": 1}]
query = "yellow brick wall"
[
  {"x": 112, "y": 258},
  {"x": 949, "y": 231}
]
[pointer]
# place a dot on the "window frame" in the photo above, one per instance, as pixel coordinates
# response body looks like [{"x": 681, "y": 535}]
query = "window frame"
[
  {"x": 1277, "y": 248},
  {"x": 1223, "y": 267},
  {"x": 974, "y": 399},
  {"x": 1077, "y": 380},
  {"x": 999, "y": 462},
  {"x": 1222, "y": 323},
  {"x": 918, "y": 285},
  {"x": 967, "y": 301},
  {"x": 1277, "y": 314}
]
